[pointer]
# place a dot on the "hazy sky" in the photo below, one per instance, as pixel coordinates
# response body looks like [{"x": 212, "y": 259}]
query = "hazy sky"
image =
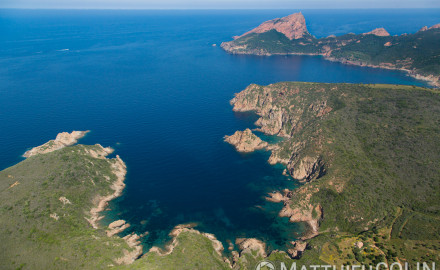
[{"x": 219, "y": 4}]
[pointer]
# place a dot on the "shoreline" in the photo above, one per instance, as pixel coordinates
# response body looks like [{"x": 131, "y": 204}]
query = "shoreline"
[
  {"x": 304, "y": 212},
  {"x": 101, "y": 202},
  {"x": 62, "y": 140},
  {"x": 430, "y": 80},
  {"x": 119, "y": 169},
  {"x": 177, "y": 230}
]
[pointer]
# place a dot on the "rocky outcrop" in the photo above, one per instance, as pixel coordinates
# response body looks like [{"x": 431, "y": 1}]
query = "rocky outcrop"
[
  {"x": 274, "y": 159},
  {"x": 130, "y": 256},
  {"x": 250, "y": 99},
  {"x": 297, "y": 250},
  {"x": 273, "y": 118},
  {"x": 216, "y": 244},
  {"x": 116, "y": 227},
  {"x": 306, "y": 169},
  {"x": 359, "y": 244},
  {"x": 306, "y": 213},
  {"x": 247, "y": 245},
  {"x": 62, "y": 140},
  {"x": 245, "y": 141},
  {"x": 279, "y": 197},
  {"x": 436, "y": 26},
  {"x": 380, "y": 32},
  {"x": 424, "y": 28},
  {"x": 292, "y": 26},
  {"x": 101, "y": 152}
]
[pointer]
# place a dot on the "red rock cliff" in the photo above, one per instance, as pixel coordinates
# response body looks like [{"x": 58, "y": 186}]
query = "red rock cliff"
[{"x": 293, "y": 26}]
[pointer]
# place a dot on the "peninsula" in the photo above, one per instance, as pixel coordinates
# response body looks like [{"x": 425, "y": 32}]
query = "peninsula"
[
  {"x": 417, "y": 53},
  {"x": 367, "y": 156}
]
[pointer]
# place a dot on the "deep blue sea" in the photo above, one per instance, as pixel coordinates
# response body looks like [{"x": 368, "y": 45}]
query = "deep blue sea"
[{"x": 151, "y": 85}]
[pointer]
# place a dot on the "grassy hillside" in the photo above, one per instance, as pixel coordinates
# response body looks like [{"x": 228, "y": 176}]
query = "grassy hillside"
[
  {"x": 194, "y": 251},
  {"x": 377, "y": 172},
  {"x": 30, "y": 193}
]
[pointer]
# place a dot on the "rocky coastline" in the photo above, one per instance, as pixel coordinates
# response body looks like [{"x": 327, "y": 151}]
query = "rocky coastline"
[
  {"x": 430, "y": 79},
  {"x": 62, "y": 140},
  {"x": 301, "y": 42},
  {"x": 275, "y": 119},
  {"x": 189, "y": 228},
  {"x": 119, "y": 169},
  {"x": 245, "y": 141}
]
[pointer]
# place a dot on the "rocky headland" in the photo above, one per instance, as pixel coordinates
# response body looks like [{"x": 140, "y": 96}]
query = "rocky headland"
[
  {"x": 380, "y": 32},
  {"x": 292, "y": 26},
  {"x": 414, "y": 53},
  {"x": 71, "y": 185},
  {"x": 323, "y": 126},
  {"x": 62, "y": 140}
]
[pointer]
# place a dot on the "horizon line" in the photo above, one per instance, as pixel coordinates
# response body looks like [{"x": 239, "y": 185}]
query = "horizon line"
[{"x": 103, "y": 8}]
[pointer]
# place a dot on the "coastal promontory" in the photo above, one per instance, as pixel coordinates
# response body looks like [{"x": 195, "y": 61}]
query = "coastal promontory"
[
  {"x": 415, "y": 53},
  {"x": 62, "y": 140},
  {"x": 51, "y": 204},
  {"x": 364, "y": 157}
]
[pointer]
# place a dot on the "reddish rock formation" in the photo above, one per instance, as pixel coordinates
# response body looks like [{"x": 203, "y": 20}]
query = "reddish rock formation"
[
  {"x": 293, "y": 26},
  {"x": 380, "y": 32},
  {"x": 305, "y": 169},
  {"x": 435, "y": 26},
  {"x": 245, "y": 141},
  {"x": 247, "y": 245},
  {"x": 424, "y": 28},
  {"x": 297, "y": 250},
  {"x": 62, "y": 140},
  {"x": 116, "y": 227}
]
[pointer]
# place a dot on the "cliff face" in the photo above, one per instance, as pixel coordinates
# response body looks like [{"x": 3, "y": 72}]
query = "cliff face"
[
  {"x": 284, "y": 117},
  {"x": 292, "y": 26},
  {"x": 339, "y": 140}
]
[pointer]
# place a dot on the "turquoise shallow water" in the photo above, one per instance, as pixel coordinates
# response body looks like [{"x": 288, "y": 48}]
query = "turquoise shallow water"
[{"x": 151, "y": 85}]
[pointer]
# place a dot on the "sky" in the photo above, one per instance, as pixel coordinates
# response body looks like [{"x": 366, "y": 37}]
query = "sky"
[{"x": 218, "y": 4}]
